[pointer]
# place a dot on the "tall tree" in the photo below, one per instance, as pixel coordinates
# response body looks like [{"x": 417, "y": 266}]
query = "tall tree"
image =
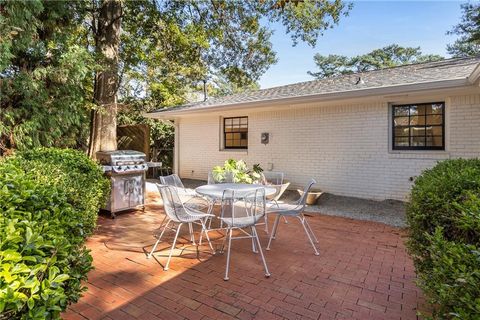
[
  {"x": 386, "y": 57},
  {"x": 103, "y": 131},
  {"x": 468, "y": 30}
]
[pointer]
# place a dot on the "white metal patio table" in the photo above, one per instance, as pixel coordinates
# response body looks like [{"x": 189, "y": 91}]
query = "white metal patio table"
[
  {"x": 216, "y": 191},
  {"x": 241, "y": 190}
]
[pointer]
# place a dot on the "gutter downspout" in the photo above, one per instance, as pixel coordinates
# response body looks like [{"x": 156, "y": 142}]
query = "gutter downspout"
[{"x": 176, "y": 147}]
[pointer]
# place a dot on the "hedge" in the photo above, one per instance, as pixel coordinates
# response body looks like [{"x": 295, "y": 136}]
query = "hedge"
[
  {"x": 49, "y": 199},
  {"x": 444, "y": 237}
]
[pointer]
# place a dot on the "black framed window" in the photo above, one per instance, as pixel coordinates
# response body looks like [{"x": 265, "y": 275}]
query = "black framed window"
[
  {"x": 418, "y": 126},
  {"x": 235, "y": 133}
]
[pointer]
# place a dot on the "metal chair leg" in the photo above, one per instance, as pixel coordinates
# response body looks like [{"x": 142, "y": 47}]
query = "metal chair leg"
[
  {"x": 308, "y": 234},
  {"x": 201, "y": 233},
  {"x": 254, "y": 249},
  {"x": 173, "y": 246},
  {"x": 192, "y": 236},
  {"x": 159, "y": 239},
  {"x": 210, "y": 210},
  {"x": 276, "y": 228},
  {"x": 254, "y": 231},
  {"x": 164, "y": 218},
  {"x": 204, "y": 229},
  {"x": 278, "y": 206},
  {"x": 311, "y": 231},
  {"x": 228, "y": 254},
  {"x": 266, "y": 222},
  {"x": 274, "y": 231},
  {"x": 207, "y": 220}
]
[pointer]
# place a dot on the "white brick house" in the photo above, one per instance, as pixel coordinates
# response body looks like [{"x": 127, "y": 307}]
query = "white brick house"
[{"x": 364, "y": 135}]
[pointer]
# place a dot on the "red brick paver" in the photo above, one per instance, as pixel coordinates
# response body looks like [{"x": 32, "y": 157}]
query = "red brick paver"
[{"x": 363, "y": 272}]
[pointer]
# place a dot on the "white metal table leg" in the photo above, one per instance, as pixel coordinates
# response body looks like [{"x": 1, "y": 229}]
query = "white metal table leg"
[{"x": 228, "y": 254}]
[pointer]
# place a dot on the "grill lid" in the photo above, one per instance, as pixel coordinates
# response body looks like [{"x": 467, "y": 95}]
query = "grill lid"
[{"x": 121, "y": 157}]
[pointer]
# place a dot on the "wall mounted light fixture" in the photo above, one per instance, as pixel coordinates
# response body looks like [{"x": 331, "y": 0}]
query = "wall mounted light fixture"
[{"x": 265, "y": 137}]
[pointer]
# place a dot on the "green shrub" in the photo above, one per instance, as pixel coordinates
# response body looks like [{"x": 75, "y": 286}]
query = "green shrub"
[
  {"x": 239, "y": 169},
  {"x": 444, "y": 225},
  {"x": 79, "y": 177},
  {"x": 43, "y": 260}
]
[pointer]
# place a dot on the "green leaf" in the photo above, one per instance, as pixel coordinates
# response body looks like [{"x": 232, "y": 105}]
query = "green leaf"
[
  {"x": 61, "y": 278},
  {"x": 11, "y": 255},
  {"x": 30, "y": 303},
  {"x": 28, "y": 234}
]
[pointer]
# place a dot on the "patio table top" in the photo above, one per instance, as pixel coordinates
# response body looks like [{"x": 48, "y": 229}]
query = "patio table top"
[{"x": 241, "y": 189}]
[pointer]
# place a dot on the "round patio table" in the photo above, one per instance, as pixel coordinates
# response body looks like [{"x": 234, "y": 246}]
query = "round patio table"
[
  {"x": 215, "y": 191},
  {"x": 240, "y": 189}
]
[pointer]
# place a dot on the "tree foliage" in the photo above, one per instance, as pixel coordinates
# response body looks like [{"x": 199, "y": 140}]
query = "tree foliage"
[
  {"x": 181, "y": 43},
  {"x": 49, "y": 57},
  {"x": 468, "y": 30},
  {"x": 44, "y": 75},
  {"x": 386, "y": 57}
]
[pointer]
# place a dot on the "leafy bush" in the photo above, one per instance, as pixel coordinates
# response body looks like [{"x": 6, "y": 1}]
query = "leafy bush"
[
  {"x": 444, "y": 220},
  {"x": 43, "y": 226},
  {"x": 239, "y": 169},
  {"x": 79, "y": 177}
]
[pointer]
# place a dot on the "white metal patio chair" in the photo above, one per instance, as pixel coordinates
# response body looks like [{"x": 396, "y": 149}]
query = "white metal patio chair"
[
  {"x": 188, "y": 196},
  {"x": 295, "y": 210},
  {"x": 241, "y": 214},
  {"x": 178, "y": 214},
  {"x": 274, "y": 179},
  {"x": 175, "y": 181}
]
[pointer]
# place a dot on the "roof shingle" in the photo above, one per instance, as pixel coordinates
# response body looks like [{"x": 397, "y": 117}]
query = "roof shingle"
[{"x": 449, "y": 69}]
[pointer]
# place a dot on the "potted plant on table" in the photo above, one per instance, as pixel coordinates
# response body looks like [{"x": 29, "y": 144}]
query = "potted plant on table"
[{"x": 239, "y": 171}]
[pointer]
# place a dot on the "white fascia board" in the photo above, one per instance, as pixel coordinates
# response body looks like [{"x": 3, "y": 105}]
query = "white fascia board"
[
  {"x": 362, "y": 93},
  {"x": 475, "y": 75}
]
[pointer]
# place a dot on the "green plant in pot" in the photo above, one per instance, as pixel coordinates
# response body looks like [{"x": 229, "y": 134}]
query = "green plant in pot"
[{"x": 240, "y": 171}]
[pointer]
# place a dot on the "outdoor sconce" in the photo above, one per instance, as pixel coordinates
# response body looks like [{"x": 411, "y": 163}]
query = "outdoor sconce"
[{"x": 265, "y": 138}]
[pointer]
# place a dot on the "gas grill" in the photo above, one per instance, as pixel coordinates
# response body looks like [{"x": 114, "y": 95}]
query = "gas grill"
[{"x": 126, "y": 169}]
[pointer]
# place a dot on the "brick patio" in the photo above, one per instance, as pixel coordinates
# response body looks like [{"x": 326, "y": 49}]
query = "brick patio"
[{"x": 363, "y": 272}]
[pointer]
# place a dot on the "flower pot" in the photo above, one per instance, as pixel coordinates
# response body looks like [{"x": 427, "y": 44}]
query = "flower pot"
[{"x": 312, "y": 196}]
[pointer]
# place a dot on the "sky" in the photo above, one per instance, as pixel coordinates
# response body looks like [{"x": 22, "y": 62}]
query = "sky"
[{"x": 369, "y": 25}]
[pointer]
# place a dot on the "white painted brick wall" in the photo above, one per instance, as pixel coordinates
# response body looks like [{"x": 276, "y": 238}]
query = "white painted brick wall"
[{"x": 344, "y": 147}]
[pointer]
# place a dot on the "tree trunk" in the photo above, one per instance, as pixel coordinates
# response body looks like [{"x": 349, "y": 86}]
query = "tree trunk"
[{"x": 103, "y": 129}]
